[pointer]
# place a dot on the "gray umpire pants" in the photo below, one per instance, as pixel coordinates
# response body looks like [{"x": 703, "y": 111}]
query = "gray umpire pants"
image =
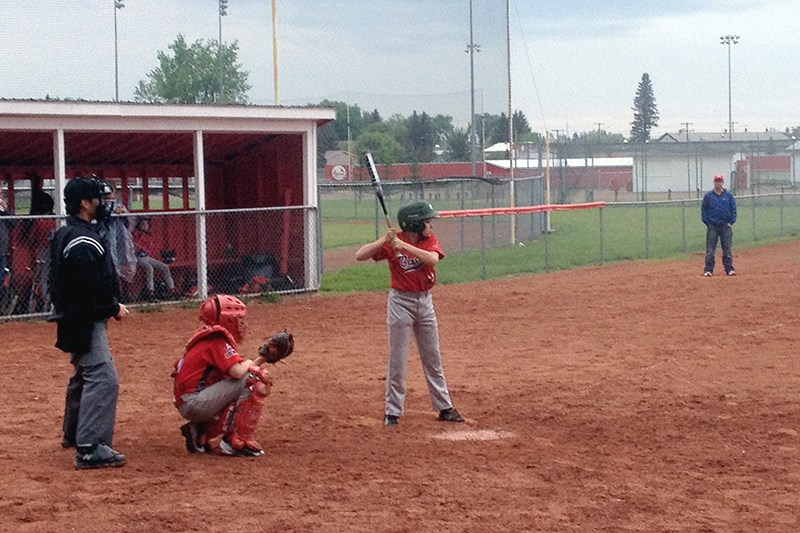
[
  {"x": 90, "y": 410},
  {"x": 407, "y": 312}
]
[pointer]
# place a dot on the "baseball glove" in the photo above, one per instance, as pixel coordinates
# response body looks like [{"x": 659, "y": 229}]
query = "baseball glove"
[{"x": 280, "y": 346}]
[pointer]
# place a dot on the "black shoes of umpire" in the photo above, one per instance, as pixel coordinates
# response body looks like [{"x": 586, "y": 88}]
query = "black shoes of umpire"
[{"x": 101, "y": 456}]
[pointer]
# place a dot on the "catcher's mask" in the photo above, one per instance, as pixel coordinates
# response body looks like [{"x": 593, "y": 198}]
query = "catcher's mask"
[
  {"x": 412, "y": 216},
  {"x": 226, "y": 311}
]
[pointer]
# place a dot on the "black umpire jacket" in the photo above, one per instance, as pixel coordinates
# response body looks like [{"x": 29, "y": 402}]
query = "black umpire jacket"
[{"x": 83, "y": 284}]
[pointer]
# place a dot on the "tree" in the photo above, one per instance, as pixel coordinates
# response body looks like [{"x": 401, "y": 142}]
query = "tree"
[
  {"x": 421, "y": 138},
  {"x": 458, "y": 145},
  {"x": 599, "y": 136},
  {"x": 384, "y": 146},
  {"x": 496, "y": 127},
  {"x": 191, "y": 75},
  {"x": 521, "y": 126},
  {"x": 645, "y": 111}
]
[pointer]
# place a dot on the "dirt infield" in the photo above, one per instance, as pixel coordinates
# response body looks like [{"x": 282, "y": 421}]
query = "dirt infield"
[{"x": 634, "y": 397}]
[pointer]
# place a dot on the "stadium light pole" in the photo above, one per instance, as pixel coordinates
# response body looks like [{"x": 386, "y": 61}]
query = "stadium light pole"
[
  {"x": 118, "y": 4},
  {"x": 471, "y": 49},
  {"x": 223, "y": 11},
  {"x": 728, "y": 40},
  {"x": 275, "y": 48}
]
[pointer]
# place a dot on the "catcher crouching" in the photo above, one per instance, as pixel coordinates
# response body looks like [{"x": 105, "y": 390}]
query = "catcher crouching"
[{"x": 219, "y": 392}]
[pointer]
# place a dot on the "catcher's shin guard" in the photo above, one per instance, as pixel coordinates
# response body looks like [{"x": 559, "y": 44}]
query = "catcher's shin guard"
[{"x": 245, "y": 419}]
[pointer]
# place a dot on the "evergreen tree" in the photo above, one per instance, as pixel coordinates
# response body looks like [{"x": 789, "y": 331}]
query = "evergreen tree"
[
  {"x": 521, "y": 126},
  {"x": 421, "y": 137},
  {"x": 645, "y": 111}
]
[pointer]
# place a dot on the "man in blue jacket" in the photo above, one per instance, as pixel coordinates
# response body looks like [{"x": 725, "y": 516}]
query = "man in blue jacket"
[{"x": 719, "y": 216}]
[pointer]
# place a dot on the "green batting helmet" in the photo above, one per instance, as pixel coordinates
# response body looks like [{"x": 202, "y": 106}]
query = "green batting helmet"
[{"x": 412, "y": 216}]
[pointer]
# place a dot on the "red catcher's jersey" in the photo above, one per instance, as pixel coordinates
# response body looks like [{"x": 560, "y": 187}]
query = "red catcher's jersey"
[
  {"x": 409, "y": 273},
  {"x": 204, "y": 364}
]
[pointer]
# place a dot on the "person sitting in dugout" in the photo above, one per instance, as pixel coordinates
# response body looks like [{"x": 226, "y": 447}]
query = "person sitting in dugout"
[{"x": 145, "y": 259}]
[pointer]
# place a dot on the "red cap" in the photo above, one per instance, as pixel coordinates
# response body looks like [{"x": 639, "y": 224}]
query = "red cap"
[{"x": 719, "y": 177}]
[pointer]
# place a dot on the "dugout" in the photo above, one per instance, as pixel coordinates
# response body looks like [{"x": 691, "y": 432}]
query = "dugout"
[{"x": 222, "y": 183}]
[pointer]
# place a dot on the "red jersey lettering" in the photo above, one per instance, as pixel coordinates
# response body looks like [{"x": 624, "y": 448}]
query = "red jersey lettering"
[{"x": 407, "y": 272}]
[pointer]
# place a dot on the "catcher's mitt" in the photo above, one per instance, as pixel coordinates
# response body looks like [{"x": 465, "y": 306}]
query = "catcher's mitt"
[{"x": 280, "y": 346}]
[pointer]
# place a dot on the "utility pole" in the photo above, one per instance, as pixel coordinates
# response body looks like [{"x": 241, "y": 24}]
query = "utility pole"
[
  {"x": 275, "y": 48},
  {"x": 118, "y": 4},
  {"x": 688, "y": 160},
  {"x": 471, "y": 49},
  {"x": 728, "y": 40},
  {"x": 223, "y": 11}
]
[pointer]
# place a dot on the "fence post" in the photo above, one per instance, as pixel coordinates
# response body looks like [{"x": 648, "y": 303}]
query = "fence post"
[
  {"x": 494, "y": 228},
  {"x": 546, "y": 248},
  {"x": 601, "y": 235},
  {"x": 462, "y": 218},
  {"x": 483, "y": 253},
  {"x": 781, "y": 211},
  {"x": 683, "y": 226},
  {"x": 753, "y": 206},
  {"x": 646, "y": 229}
]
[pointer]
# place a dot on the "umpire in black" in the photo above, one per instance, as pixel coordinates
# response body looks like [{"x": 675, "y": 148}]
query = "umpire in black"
[{"x": 84, "y": 290}]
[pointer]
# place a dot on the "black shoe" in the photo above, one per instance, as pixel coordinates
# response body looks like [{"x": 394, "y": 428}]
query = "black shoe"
[
  {"x": 450, "y": 415},
  {"x": 191, "y": 433},
  {"x": 390, "y": 420},
  {"x": 66, "y": 442},
  {"x": 101, "y": 457}
]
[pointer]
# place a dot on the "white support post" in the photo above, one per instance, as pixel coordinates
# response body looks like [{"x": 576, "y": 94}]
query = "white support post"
[
  {"x": 311, "y": 216},
  {"x": 200, "y": 229},
  {"x": 59, "y": 172}
]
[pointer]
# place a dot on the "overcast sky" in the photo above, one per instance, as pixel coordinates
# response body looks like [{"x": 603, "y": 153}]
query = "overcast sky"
[{"x": 575, "y": 64}]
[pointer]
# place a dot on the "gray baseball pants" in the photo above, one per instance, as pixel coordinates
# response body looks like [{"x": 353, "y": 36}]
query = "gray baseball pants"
[
  {"x": 407, "y": 312},
  {"x": 90, "y": 409},
  {"x": 198, "y": 407}
]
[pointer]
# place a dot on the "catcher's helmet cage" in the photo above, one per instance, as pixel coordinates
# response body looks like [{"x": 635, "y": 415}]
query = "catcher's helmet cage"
[
  {"x": 226, "y": 311},
  {"x": 413, "y": 215}
]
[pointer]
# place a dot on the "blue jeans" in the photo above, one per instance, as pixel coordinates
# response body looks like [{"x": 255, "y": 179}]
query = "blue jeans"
[{"x": 725, "y": 236}]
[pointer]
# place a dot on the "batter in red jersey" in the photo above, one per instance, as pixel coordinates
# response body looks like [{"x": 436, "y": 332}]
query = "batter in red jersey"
[{"x": 412, "y": 255}]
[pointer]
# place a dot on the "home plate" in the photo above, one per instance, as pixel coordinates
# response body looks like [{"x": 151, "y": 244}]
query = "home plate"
[{"x": 474, "y": 434}]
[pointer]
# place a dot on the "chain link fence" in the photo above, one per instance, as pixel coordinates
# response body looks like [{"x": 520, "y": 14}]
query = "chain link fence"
[
  {"x": 355, "y": 203},
  {"x": 492, "y": 246},
  {"x": 174, "y": 256},
  {"x": 185, "y": 254}
]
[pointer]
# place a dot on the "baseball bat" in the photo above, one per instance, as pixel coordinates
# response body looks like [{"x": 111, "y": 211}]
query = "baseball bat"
[{"x": 376, "y": 183}]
